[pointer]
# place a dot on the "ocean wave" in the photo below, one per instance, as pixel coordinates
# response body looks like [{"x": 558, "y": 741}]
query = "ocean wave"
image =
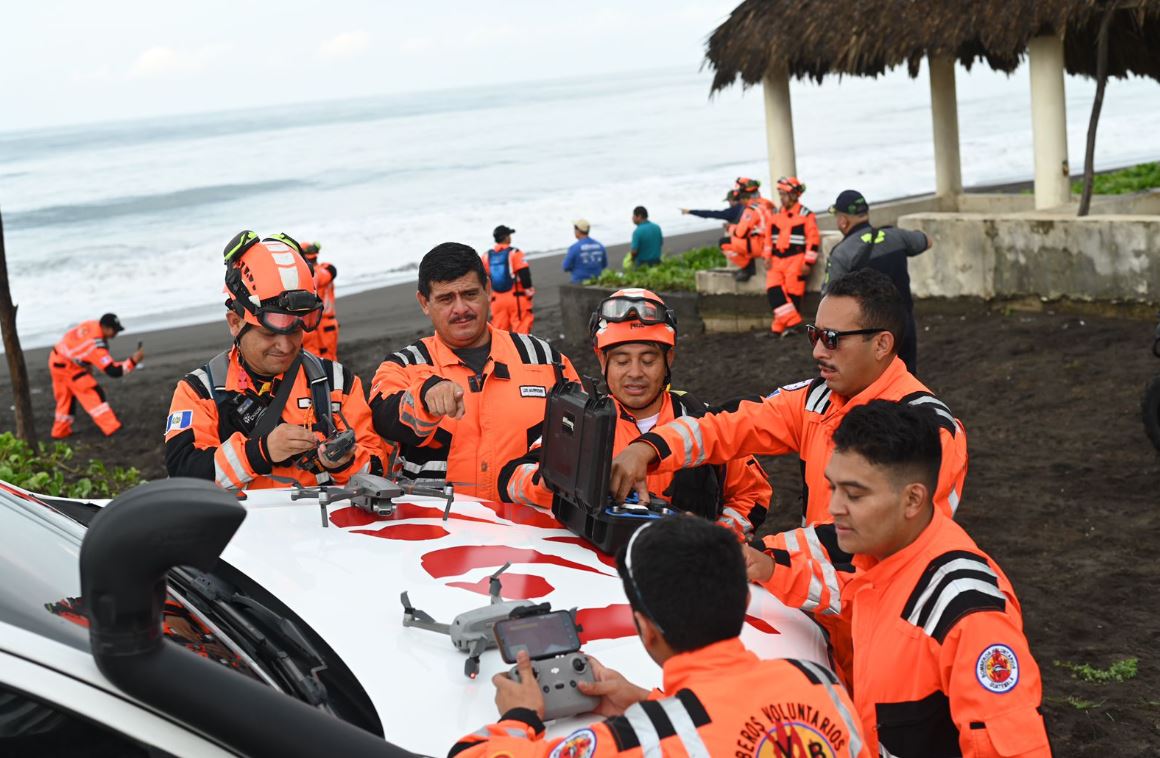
[{"x": 138, "y": 205}]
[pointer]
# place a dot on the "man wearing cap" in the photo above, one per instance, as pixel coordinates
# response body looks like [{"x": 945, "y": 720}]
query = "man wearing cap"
[
  {"x": 884, "y": 250},
  {"x": 266, "y": 411},
  {"x": 511, "y": 284},
  {"x": 70, "y": 364},
  {"x": 586, "y": 257}
]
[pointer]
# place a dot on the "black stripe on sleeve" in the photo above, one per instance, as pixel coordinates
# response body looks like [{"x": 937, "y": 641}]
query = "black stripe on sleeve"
[
  {"x": 657, "y": 442},
  {"x": 622, "y": 733},
  {"x": 660, "y": 720},
  {"x": 694, "y": 708},
  {"x": 521, "y": 348}
]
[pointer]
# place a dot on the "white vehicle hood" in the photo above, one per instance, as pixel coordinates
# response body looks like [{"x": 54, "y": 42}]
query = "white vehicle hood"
[{"x": 345, "y": 582}]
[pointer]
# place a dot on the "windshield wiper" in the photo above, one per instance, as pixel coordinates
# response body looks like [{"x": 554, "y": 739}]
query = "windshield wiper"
[{"x": 265, "y": 633}]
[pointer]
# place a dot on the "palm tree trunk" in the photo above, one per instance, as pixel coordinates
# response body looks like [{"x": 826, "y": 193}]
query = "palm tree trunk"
[
  {"x": 17, "y": 371},
  {"x": 1085, "y": 200}
]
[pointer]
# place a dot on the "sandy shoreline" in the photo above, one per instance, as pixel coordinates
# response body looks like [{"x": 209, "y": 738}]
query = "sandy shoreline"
[{"x": 365, "y": 315}]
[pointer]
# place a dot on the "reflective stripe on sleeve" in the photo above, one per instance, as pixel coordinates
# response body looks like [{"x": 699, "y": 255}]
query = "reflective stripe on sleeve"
[
  {"x": 685, "y": 728},
  {"x": 828, "y": 574},
  {"x": 852, "y": 728}
]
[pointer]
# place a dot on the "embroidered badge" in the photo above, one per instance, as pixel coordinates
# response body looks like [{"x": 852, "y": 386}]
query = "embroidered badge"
[
  {"x": 997, "y": 669},
  {"x": 178, "y": 420},
  {"x": 581, "y": 744},
  {"x": 533, "y": 391}
]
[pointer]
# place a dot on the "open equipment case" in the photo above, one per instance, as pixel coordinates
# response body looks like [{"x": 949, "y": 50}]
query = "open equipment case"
[{"x": 575, "y": 462}]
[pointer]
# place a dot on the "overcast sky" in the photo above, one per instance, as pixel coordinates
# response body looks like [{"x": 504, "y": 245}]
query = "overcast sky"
[{"x": 72, "y": 62}]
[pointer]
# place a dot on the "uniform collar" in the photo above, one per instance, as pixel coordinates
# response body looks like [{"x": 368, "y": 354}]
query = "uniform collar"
[
  {"x": 243, "y": 379},
  {"x": 712, "y": 661},
  {"x": 795, "y": 209},
  {"x": 444, "y": 354},
  {"x": 880, "y": 572},
  {"x": 894, "y": 371},
  {"x": 857, "y": 228}
]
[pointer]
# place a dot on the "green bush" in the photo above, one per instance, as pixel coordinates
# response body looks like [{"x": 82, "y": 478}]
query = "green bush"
[
  {"x": 676, "y": 273},
  {"x": 1131, "y": 179},
  {"x": 53, "y": 471},
  {"x": 1119, "y": 671}
]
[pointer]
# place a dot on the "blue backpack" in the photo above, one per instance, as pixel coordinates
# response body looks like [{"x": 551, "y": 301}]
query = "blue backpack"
[{"x": 501, "y": 271}]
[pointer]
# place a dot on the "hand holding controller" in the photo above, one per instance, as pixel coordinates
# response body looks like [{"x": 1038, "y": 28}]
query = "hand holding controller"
[{"x": 559, "y": 679}]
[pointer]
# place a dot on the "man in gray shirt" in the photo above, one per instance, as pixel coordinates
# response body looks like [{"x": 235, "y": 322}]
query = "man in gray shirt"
[{"x": 884, "y": 250}]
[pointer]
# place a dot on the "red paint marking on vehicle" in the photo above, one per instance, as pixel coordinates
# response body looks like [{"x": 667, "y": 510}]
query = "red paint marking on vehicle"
[
  {"x": 515, "y": 586},
  {"x": 351, "y": 516},
  {"x": 609, "y": 622},
  {"x": 760, "y": 625},
  {"x": 519, "y": 513},
  {"x": 453, "y": 561},
  {"x": 604, "y": 558},
  {"x": 409, "y": 532}
]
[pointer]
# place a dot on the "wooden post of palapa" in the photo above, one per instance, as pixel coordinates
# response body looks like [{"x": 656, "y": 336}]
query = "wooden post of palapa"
[{"x": 17, "y": 371}]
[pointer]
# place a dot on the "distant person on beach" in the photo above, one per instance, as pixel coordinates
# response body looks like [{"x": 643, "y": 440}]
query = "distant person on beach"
[
  {"x": 70, "y": 364},
  {"x": 647, "y": 240},
  {"x": 748, "y": 239},
  {"x": 266, "y": 408},
  {"x": 941, "y": 662},
  {"x": 511, "y": 284},
  {"x": 886, "y": 249},
  {"x": 465, "y": 401},
  {"x": 859, "y": 324},
  {"x": 323, "y": 341},
  {"x": 634, "y": 336},
  {"x": 794, "y": 244},
  {"x": 586, "y": 257}
]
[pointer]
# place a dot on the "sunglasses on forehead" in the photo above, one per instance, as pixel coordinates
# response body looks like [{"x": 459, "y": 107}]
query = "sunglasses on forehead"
[{"x": 830, "y": 337}]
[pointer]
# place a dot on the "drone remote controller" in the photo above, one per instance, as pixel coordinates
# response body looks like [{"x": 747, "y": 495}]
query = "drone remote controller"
[{"x": 558, "y": 679}]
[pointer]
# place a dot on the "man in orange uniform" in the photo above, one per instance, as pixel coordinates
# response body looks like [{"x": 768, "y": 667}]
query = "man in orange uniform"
[
  {"x": 464, "y": 402},
  {"x": 252, "y": 413},
  {"x": 634, "y": 335},
  {"x": 748, "y": 239},
  {"x": 685, "y": 582},
  {"x": 511, "y": 284},
  {"x": 70, "y": 364},
  {"x": 941, "y": 664},
  {"x": 323, "y": 341},
  {"x": 858, "y": 327},
  {"x": 795, "y": 243}
]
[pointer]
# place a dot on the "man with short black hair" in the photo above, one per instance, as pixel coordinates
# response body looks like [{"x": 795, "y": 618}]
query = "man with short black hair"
[
  {"x": 512, "y": 293},
  {"x": 647, "y": 240},
  {"x": 70, "y": 365},
  {"x": 465, "y": 401},
  {"x": 886, "y": 250},
  {"x": 913, "y": 589},
  {"x": 685, "y": 583}
]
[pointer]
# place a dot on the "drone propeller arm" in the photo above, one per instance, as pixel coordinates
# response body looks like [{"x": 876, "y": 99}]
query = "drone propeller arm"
[{"x": 414, "y": 617}]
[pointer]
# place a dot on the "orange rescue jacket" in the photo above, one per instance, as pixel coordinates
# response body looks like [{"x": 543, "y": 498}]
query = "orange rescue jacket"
[
  {"x": 801, "y": 418},
  {"x": 503, "y": 409},
  {"x": 751, "y": 231},
  {"x": 795, "y": 232},
  {"x": 745, "y": 496},
  {"x": 725, "y": 701},
  {"x": 324, "y": 276},
  {"x": 84, "y": 345},
  {"x": 204, "y": 438},
  {"x": 941, "y": 664}
]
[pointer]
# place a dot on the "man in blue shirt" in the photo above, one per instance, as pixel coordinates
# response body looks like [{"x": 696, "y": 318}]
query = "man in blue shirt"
[
  {"x": 646, "y": 239},
  {"x": 587, "y": 257}
]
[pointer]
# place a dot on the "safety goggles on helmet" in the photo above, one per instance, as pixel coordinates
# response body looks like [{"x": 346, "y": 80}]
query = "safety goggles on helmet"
[
  {"x": 291, "y": 311},
  {"x": 830, "y": 337},
  {"x": 791, "y": 184},
  {"x": 635, "y": 308}
]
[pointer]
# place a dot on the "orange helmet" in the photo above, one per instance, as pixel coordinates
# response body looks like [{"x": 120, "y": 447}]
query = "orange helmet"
[
  {"x": 632, "y": 315},
  {"x": 310, "y": 250},
  {"x": 269, "y": 284},
  {"x": 747, "y": 185},
  {"x": 790, "y": 184}
]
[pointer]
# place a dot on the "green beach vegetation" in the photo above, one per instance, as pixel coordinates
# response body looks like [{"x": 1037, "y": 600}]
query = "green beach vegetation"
[
  {"x": 53, "y": 470},
  {"x": 1126, "y": 180},
  {"x": 677, "y": 273}
]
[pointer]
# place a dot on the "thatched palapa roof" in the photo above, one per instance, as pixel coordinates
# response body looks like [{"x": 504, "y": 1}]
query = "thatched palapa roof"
[{"x": 813, "y": 38}]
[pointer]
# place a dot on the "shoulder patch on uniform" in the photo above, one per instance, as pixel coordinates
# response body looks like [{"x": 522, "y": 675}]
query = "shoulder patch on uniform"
[
  {"x": 997, "y": 669},
  {"x": 533, "y": 390},
  {"x": 178, "y": 420},
  {"x": 581, "y": 744}
]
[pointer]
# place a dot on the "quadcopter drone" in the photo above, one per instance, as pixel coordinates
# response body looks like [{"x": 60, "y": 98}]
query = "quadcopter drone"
[
  {"x": 370, "y": 493},
  {"x": 472, "y": 632}
]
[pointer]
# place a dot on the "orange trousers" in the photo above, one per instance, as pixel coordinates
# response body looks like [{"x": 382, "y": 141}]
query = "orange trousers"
[
  {"x": 512, "y": 311},
  {"x": 739, "y": 250},
  {"x": 785, "y": 285},
  {"x": 72, "y": 384},
  {"x": 323, "y": 341}
]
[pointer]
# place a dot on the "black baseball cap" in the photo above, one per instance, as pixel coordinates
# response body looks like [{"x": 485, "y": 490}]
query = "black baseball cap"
[
  {"x": 110, "y": 321},
  {"x": 850, "y": 202},
  {"x": 502, "y": 231}
]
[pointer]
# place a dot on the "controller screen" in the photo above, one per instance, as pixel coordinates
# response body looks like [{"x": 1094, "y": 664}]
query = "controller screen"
[{"x": 542, "y": 636}]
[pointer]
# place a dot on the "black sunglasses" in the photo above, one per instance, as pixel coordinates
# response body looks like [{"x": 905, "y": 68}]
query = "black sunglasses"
[{"x": 830, "y": 337}]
